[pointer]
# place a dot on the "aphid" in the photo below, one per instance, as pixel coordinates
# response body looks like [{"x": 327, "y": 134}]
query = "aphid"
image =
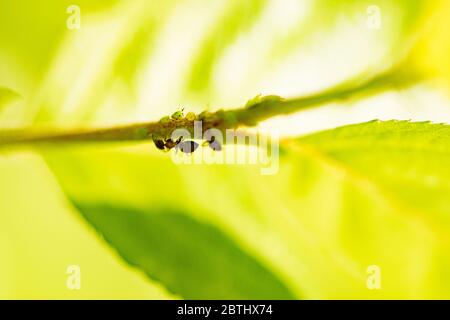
[
  {"x": 164, "y": 119},
  {"x": 177, "y": 114},
  {"x": 159, "y": 143},
  {"x": 213, "y": 144},
  {"x": 187, "y": 146},
  {"x": 258, "y": 99},
  {"x": 190, "y": 116},
  {"x": 169, "y": 143}
]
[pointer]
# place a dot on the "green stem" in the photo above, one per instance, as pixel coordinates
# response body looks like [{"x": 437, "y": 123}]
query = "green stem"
[{"x": 262, "y": 109}]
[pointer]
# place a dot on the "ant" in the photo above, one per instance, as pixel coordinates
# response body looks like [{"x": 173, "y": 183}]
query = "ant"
[
  {"x": 187, "y": 146},
  {"x": 213, "y": 144}
]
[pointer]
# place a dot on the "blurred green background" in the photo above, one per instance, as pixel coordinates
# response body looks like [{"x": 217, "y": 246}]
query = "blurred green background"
[{"x": 212, "y": 231}]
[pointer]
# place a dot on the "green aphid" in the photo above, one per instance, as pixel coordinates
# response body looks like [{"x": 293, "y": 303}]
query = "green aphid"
[
  {"x": 253, "y": 101},
  {"x": 204, "y": 115},
  {"x": 165, "y": 119},
  {"x": 177, "y": 114},
  {"x": 190, "y": 116},
  {"x": 272, "y": 98},
  {"x": 259, "y": 99}
]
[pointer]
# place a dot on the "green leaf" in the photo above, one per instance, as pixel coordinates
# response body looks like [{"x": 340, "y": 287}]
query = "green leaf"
[
  {"x": 342, "y": 200},
  {"x": 41, "y": 235},
  {"x": 191, "y": 258},
  {"x": 236, "y": 19},
  {"x": 408, "y": 161},
  {"x": 7, "y": 96}
]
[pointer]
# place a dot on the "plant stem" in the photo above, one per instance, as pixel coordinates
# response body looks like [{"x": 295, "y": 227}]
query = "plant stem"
[{"x": 264, "y": 108}]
